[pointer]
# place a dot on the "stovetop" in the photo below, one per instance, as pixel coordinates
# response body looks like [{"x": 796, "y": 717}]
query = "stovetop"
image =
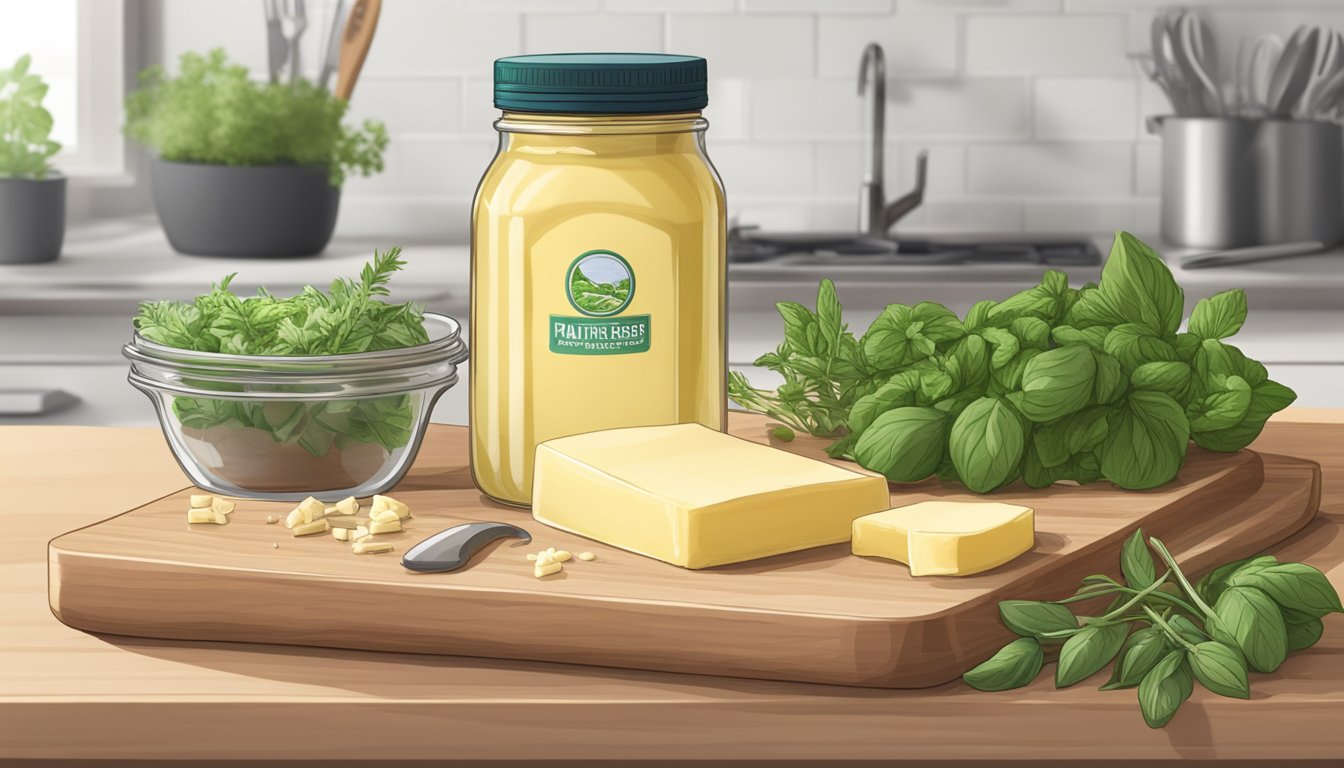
[{"x": 808, "y": 249}]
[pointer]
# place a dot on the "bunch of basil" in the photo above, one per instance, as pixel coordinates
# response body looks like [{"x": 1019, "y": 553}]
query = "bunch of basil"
[
  {"x": 1053, "y": 383},
  {"x": 1164, "y": 636}
]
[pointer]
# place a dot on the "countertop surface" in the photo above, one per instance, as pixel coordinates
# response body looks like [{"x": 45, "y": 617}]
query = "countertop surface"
[
  {"x": 66, "y": 694},
  {"x": 108, "y": 266}
]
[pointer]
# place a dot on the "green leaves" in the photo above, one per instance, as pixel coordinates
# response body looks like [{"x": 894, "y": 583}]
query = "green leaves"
[
  {"x": 1162, "y": 690},
  {"x": 346, "y": 320},
  {"x": 1050, "y": 384},
  {"x": 1220, "y": 315},
  {"x": 1136, "y": 563},
  {"x": 1296, "y": 586},
  {"x": 1031, "y": 618},
  {"x": 1147, "y": 442},
  {"x": 1015, "y": 665},
  {"x": 1086, "y": 652},
  {"x": 905, "y": 444},
  {"x": 1142, "y": 650},
  {"x": 25, "y": 125},
  {"x": 212, "y": 112},
  {"x": 986, "y": 444},
  {"x": 1246, "y": 618},
  {"x": 1220, "y": 669}
]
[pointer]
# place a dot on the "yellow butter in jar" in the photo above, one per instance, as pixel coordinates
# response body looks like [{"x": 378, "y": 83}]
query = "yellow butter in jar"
[{"x": 598, "y": 261}]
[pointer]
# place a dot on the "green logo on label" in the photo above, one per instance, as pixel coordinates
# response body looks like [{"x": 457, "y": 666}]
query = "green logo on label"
[{"x": 599, "y": 284}]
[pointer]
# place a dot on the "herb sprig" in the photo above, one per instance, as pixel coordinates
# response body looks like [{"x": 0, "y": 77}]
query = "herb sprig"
[
  {"x": 349, "y": 318},
  {"x": 1053, "y": 383},
  {"x": 1163, "y": 633}
]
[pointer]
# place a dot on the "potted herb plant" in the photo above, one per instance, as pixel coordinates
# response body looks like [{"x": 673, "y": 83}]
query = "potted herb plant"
[
  {"x": 246, "y": 168},
  {"x": 32, "y": 196}
]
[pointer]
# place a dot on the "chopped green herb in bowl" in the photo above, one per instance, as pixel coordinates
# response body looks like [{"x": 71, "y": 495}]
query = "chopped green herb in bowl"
[{"x": 322, "y": 392}]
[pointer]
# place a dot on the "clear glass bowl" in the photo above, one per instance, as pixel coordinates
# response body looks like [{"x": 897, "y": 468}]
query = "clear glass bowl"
[{"x": 283, "y": 428}]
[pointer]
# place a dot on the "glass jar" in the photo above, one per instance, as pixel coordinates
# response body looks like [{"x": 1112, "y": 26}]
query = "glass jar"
[{"x": 598, "y": 259}]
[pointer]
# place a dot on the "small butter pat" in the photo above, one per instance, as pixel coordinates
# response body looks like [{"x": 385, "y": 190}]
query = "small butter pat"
[
  {"x": 694, "y": 497},
  {"x": 947, "y": 538}
]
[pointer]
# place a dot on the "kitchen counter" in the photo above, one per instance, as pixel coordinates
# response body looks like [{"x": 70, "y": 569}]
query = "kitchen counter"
[{"x": 66, "y": 694}]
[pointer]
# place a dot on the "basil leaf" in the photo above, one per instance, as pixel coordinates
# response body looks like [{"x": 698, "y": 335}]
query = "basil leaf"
[
  {"x": 1147, "y": 443},
  {"x": 1057, "y": 383},
  {"x": 1169, "y": 378},
  {"x": 1214, "y": 582},
  {"x": 1297, "y": 586},
  {"x": 1093, "y": 338},
  {"x": 1220, "y": 315},
  {"x": 1110, "y": 379},
  {"x": 905, "y": 444},
  {"x": 1221, "y": 669},
  {"x": 1161, "y": 691},
  {"x": 986, "y": 444},
  {"x": 1134, "y": 347},
  {"x": 1139, "y": 286},
  {"x": 1031, "y": 618},
  {"x": 1222, "y": 409},
  {"x": 1267, "y": 398},
  {"x": 1140, "y": 653},
  {"x": 1015, "y": 665},
  {"x": 1248, "y": 619},
  {"x": 1303, "y": 635},
  {"x": 1136, "y": 563},
  {"x": 1187, "y": 629},
  {"x": 1088, "y": 651}
]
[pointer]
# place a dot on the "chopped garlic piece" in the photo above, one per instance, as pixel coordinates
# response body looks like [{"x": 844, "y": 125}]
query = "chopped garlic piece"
[
  {"x": 313, "y": 508},
  {"x": 391, "y": 526},
  {"x": 329, "y": 511},
  {"x": 272, "y": 519},
  {"x": 223, "y": 506},
  {"x": 361, "y": 531},
  {"x": 587, "y": 556},
  {"x": 348, "y": 506},
  {"x": 383, "y": 503},
  {"x": 370, "y": 547},
  {"x": 386, "y": 516},
  {"x": 342, "y": 534},
  {"x": 546, "y": 569},
  {"x": 201, "y": 500},
  {"x": 316, "y": 526},
  {"x": 532, "y": 556},
  {"x": 561, "y": 556},
  {"x": 206, "y": 516}
]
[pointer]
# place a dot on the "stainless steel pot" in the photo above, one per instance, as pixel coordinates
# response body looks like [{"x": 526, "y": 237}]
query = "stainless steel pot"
[{"x": 1232, "y": 182}]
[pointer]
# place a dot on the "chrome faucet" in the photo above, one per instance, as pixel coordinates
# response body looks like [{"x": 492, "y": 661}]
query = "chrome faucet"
[{"x": 876, "y": 216}]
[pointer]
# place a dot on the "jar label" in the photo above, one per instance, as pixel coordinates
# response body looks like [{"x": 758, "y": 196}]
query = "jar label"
[{"x": 600, "y": 285}]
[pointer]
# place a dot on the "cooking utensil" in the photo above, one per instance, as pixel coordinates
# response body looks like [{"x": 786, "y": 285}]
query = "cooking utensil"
[
  {"x": 331, "y": 46},
  {"x": 1196, "y": 55},
  {"x": 1324, "y": 66},
  {"x": 1255, "y": 70},
  {"x": 294, "y": 22},
  {"x": 451, "y": 549},
  {"x": 1293, "y": 72},
  {"x": 355, "y": 44},
  {"x": 1250, "y": 254},
  {"x": 277, "y": 48},
  {"x": 1165, "y": 71}
]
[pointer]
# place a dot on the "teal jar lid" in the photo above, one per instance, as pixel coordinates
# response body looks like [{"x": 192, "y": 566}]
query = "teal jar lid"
[{"x": 601, "y": 83}]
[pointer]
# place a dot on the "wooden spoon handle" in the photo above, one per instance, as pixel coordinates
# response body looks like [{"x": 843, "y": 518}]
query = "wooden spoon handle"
[{"x": 355, "y": 43}]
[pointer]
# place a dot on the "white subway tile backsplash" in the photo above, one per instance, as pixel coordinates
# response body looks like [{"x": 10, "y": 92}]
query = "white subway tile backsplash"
[
  {"x": 1068, "y": 216},
  {"x": 947, "y": 169},
  {"x": 969, "y": 108},
  {"x": 442, "y": 167},
  {"x": 729, "y": 109},
  {"x": 582, "y": 32},
  {"x": 534, "y": 6},
  {"x": 972, "y": 216},
  {"x": 431, "y": 105},
  {"x": 818, "y": 6},
  {"x": 1047, "y": 45},
  {"x": 1152, "y": 101},
  {"x": 841, "y": 167},
  {"x": 1093, "y": 169},
  {"x": 746, "y": 46},
  {"x": 661, "y": 6},
  {"x": 1085, "y": 108},
  {"x": 980, "y": 6},
  {"x": 813, "y": 109},
  {"x": 914, "y": 44},
  {"x": 1147, "y": 169},
  {"x": 424, "y": 37},
  {"x": 764, "y": 167}
]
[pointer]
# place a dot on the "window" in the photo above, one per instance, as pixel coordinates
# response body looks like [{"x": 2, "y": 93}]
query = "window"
[{"x": 78, "y": 48}]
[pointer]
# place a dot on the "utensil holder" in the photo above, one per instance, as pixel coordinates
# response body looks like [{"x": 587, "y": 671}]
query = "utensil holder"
[{"x": 1234, "y": 182}]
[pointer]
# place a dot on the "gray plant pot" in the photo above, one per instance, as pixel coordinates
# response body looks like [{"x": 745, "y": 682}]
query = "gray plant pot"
[
  {"x": 32, "y": 219},
  {"x": 250, "y": 211}
]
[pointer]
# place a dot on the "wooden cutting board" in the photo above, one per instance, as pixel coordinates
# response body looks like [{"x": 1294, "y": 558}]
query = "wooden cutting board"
[{"x": 819, "y": 615}]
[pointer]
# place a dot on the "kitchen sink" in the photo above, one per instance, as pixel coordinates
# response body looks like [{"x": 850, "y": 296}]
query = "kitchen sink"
[{"x": 840, "y": 249}]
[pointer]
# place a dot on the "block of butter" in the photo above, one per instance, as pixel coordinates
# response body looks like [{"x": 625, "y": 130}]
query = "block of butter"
[
  {"x": 947, "y": 538},
  {"x": 694, "y": 497}
]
